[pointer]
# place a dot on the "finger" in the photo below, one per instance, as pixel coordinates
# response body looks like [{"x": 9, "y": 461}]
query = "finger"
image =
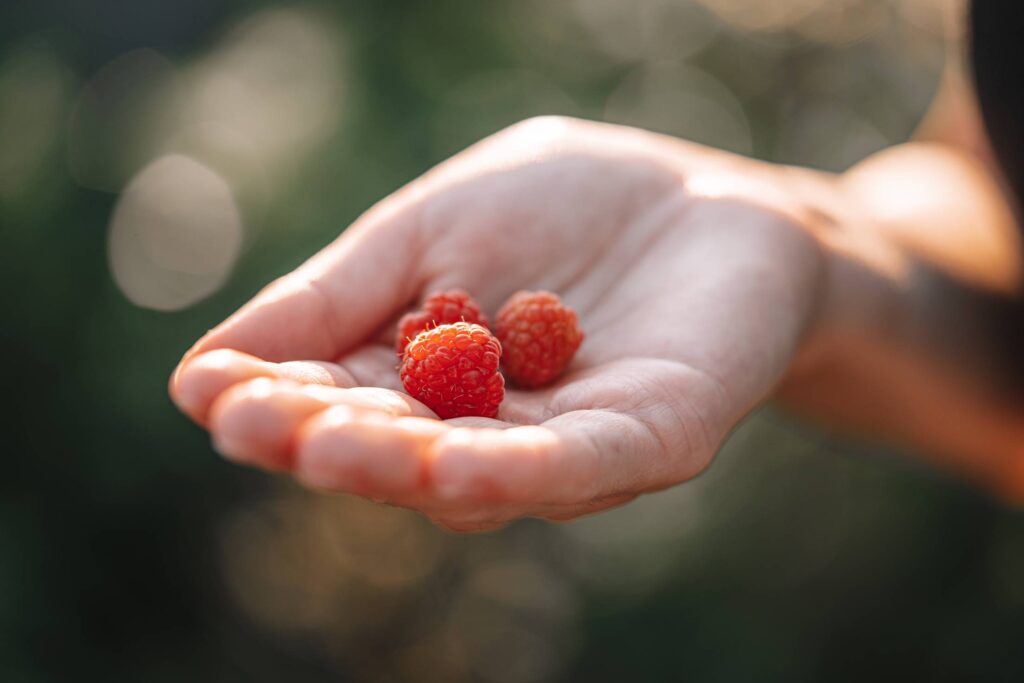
[
  {"x": 472, "y": 471},
  {"x": 373, "y": 454},
  {"x": 646, "y": 424},
  {"x": 256, "y": 422},
  {"x": 197, "y": 383},
  {"x": 335, "y": 300},
  {"x": 386, "y": 458},
  {"x": 556, "y": 463}
]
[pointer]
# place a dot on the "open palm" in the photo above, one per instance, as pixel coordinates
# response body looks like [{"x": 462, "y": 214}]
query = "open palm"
[{"x": 693, "y": 304}]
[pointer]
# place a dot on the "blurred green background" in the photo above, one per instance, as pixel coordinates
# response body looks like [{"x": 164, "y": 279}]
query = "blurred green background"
[{"x": 160, "y": 161}]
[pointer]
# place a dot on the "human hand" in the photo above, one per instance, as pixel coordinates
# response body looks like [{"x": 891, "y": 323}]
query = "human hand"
[{"x": 693, "y": 276}]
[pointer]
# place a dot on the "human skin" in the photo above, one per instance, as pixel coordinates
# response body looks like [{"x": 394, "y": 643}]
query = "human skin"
[{"x": 706, "y": 284}]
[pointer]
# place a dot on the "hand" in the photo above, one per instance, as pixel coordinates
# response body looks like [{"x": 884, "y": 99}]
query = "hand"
[{"x": 691, "y": 271}]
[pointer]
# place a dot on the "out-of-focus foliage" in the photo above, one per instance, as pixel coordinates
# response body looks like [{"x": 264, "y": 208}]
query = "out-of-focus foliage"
[{"x": 159, "y": 161}]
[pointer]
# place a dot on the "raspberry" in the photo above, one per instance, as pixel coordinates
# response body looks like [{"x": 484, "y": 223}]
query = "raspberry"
[
  {"x": 440, "y": 308},
  {"x": 539, "y": 335},
  {"x": 453, "y": 370}
]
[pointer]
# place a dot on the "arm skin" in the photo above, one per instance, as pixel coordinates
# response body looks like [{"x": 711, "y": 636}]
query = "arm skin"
[{"x": 706, "y": 284}]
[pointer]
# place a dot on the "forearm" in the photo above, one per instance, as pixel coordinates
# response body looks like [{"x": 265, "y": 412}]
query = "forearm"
[{"x": 914, "y": 337}]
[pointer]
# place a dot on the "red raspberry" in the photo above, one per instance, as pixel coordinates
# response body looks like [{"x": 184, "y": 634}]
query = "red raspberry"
[
  {"x": 453, "y": 369},
  {"x": 440, "y": 308},
  {"x": 539, "y": 335}
]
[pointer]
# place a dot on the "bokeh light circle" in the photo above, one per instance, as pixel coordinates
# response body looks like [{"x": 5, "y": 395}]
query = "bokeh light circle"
[{"x": 175, "y": 234}]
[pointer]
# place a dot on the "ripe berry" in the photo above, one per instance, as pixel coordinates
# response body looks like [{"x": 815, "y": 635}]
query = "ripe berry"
[
  {"x": 440, "y": 308},
  {"x": 453, "y": 370},
  {"x": 539, "y": 335}
]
